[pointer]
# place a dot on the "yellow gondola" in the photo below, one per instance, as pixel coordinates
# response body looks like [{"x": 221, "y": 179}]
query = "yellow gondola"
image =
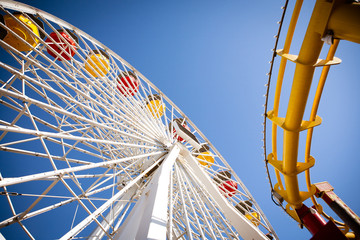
[
  {"x": 155, "y": 105},
  {"x": 205, "y": 157},
  {"x": 97, "y": 64},
  {"x": 23, "y": 33},
  {"x": 253, "y": 216}
]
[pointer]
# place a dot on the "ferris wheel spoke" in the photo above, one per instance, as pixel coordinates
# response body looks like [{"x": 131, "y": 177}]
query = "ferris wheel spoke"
[
  {"x": 36, "y": 213},
  {"x": 201, "y": 211},
  {"x": 96, "y": 184},
  {"x": 60, "y": 172},
  {"x": 212, "y": 227},
  {"x": 64, "y": 97},
  {"x": 26, "y": 231},
  {"x": 21, "y": 113},
  {"x": 106, "y": 127},
  {"x": 25, "y": 215},
  {"x": 42, "y": 134},
  {"x": 227, "y": 210},
  {"x": 221, "y": 225},
  {"x": 98, "y": 212},
  {"x": 127, "y": 171},
  {"x": 99, "y": 115},
  {"x": 106, "y": 205},
  {"x": 184, "y": 209},
  {"x": 113, "y": 214},
  {"x": 54, "y": 206},
  {"x": 199, "y": 227},
  {"x": 61, "y": 143},
  {"x": 20, "y": 216},
  {"x": 44, "y": 145},
  {"x": 43, "y": 155},
  {"x": 209, "y": 205}
]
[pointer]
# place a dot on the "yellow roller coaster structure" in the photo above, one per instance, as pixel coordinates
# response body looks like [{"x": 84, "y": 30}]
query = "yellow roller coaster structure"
[{"x": 331, "y": 21}]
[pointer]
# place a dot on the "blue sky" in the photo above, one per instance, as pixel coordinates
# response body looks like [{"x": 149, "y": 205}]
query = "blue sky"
[{"x": 211, "y": 58}]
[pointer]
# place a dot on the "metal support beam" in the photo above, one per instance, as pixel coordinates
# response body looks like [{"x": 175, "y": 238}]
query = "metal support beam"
[
  {"x": 308, "y": 56},
  {"x": 242, "y": 225},
  {"x": 92, "y": 217},
  {"x": 325, "y": 191},
  {"x": 345, "y": 21},
  {"x": 148, "y": 219},
  {"x": 98, "y": 233},
  {"x": 60, "y": 172}
]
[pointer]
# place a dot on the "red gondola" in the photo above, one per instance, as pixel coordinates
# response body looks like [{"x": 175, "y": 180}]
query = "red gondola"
[
  {"x": 227, "y": 186},
  {"x": 128, "y": 83},
  {"x": 66, "y": 42}
]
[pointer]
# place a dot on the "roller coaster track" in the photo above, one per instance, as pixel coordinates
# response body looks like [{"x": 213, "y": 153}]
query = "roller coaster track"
[{"x": 331, "y": 21}]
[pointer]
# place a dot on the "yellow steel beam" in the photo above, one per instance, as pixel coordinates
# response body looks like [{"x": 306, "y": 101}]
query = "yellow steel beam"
[
  {"x": 345, "y": 21},
  {"x": 315, "y": 107},
  {"x": 326, "y": 15},
  {"x": 288, "y": 40},
  {"x": 308, "y": 56}
]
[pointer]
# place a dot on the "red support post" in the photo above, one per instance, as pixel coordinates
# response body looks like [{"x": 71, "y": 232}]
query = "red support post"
[
  {"x": 325, "y": 191},
  {"x": 318, "y": 226}
]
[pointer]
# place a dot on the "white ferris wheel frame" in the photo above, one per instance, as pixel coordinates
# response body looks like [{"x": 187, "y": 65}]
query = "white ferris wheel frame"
[{"x": 150, "y": 218}]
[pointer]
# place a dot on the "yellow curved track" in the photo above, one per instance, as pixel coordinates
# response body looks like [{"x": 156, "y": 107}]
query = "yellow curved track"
[{"x": 333, "y": 20}]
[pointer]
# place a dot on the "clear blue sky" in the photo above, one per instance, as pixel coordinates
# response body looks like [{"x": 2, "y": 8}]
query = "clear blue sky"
[{"x": 211, "y": 58}]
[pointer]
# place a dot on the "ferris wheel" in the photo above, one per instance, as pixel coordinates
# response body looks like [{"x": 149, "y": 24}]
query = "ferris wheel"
[{"x": 92, "y": 149}]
